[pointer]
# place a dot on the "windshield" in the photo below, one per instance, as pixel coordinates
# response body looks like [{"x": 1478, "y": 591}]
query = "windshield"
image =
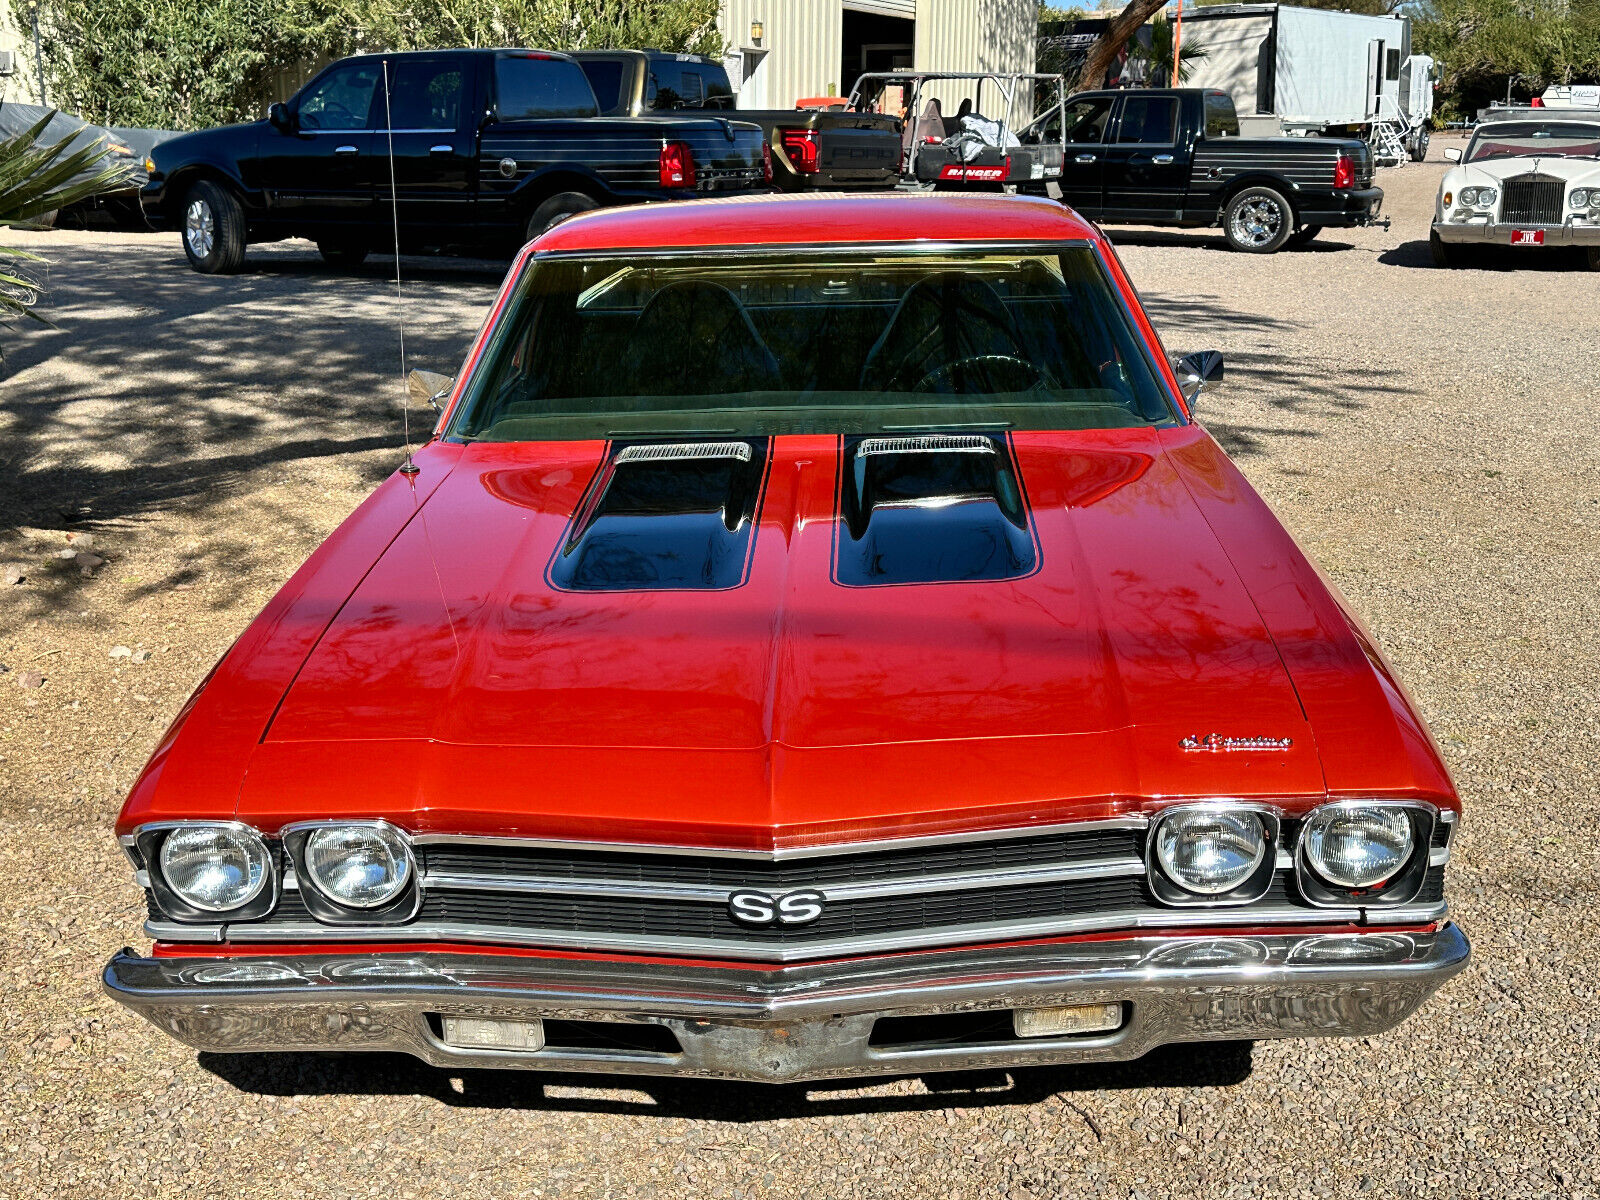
[
  {"x": 846, "y": 342},
  {"x": 1514, "y": 139}
]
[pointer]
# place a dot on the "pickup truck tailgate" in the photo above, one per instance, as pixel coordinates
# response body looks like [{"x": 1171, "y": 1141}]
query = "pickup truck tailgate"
[{"x": 864, "y": 146}]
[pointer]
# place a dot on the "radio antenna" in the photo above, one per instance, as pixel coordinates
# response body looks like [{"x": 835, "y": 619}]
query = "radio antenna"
[{"x": 409, "y": 467}]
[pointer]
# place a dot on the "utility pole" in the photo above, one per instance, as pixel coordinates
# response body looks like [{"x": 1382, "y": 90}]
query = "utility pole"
[{"x": 38, "y": 59}]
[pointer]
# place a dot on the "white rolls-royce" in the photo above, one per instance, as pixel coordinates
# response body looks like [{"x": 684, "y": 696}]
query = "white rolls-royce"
[{"x": 1529, "y": 178}]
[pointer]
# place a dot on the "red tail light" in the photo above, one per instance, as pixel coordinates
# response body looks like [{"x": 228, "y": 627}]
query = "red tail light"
[
  {"x": 1344, "y": 172},
  {"x": 1537, "y": 102},
  {"x": 766, "y": 162},
  {"x": 677, "y": 165},
  {"x": 801, "y": 147}
]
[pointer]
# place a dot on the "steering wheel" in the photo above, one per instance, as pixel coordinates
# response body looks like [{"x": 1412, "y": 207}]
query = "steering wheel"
[{"x": 949, "y": 373}]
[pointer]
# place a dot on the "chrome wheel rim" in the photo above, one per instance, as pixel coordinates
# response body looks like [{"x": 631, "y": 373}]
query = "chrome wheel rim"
[
  {"x": 1256, "y": 222},
  {"x": 199, "y": 228}
]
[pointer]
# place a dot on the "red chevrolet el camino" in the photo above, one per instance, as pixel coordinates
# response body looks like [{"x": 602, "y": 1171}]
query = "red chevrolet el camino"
[{"x": 817, "y": 641}]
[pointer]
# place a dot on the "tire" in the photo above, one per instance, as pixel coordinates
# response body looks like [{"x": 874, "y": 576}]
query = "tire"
[
  {"x": 1258, "y": 221},
  {"x": 562, "y": 204},
  {"x": 213, "y": 229},
  {"x": 1303, "y": 235},
  {"x": 1591, "y": 256},
  {"x": 338, "y": 254},
  {"x": 1419, "y": 146},
  {"x": 1443, "y": 255}
]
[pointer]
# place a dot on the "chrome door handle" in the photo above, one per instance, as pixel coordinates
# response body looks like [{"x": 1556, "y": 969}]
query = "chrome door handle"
[
  {"x": 442, "y": 150},
  {"x": 344, "y": 150},
  {"x": 1162, "y": 160},
  {"x": 1084, "y": 158}
]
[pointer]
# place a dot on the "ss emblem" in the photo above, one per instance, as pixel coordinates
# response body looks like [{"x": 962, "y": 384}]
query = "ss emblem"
[{"x": 762, "y": 908}]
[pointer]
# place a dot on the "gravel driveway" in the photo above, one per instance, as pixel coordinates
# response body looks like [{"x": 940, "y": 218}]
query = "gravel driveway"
[{"x": 1430, "y": 437}]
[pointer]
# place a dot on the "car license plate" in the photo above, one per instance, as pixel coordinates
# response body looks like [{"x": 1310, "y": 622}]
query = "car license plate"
[{"x": 1527, "y": 237}]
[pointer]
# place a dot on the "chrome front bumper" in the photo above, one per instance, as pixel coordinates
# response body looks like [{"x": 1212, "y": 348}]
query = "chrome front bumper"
[
  {"x": 814, "y": 1021},
  {"x": 1484, "y": 233}
]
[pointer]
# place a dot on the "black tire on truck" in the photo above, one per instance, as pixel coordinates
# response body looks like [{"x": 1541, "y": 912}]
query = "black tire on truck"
[
  {"x": 342, "y": 254},
  {"x": 1258, "y": 220},
  {"x": 562, "y": 204},
  {"x": 1303, "y": 235},
  {"x": 213, "y": 229},
  {"x": 1419, "y": 145}
]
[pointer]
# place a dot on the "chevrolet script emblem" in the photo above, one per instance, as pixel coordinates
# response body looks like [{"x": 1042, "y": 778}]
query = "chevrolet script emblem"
[{"x": 1217, "y": 743}]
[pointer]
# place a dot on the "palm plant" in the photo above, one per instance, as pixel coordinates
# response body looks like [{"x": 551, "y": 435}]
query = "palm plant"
[
  {"x": 36, "y": 178},
  {"x": 1159, "y": 53}
]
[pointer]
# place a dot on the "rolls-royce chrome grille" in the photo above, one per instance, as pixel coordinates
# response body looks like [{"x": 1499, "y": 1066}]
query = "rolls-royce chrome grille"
[
  {"x": 791, "y": 905},
  {"x": 1533, "y": 200}
]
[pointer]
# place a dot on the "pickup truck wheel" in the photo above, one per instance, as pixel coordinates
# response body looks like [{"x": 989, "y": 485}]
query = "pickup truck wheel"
[
  {"x": 337, "y": 254},
  {"x": 1303, "y": 235},
  {"x": 1443, "y": 256},
  {"x": 562, "y": 204},
  {"x": 213, "y": 230},
  {"x": 1419, "y": 146},
  {"x": 1258, "y": 221}
]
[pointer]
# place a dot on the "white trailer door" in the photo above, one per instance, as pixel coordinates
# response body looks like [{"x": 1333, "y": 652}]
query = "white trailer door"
[{"x": 1374, "y": 76}]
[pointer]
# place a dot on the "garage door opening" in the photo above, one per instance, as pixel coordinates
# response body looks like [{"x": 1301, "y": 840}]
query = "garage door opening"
[{"x": 872, "y": 42}]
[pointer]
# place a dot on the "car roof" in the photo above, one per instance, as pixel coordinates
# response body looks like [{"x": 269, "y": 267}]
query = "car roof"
[{"x": 817, "y": 219}]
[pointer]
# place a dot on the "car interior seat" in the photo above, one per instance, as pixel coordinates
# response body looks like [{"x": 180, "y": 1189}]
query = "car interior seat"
[{"x": 694, "y": 338}]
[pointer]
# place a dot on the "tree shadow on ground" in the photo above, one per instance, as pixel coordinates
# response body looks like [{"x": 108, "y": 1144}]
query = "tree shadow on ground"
[
  {"x": 1222, "y": 1064},
  {"x": 1304, "y": 394}
]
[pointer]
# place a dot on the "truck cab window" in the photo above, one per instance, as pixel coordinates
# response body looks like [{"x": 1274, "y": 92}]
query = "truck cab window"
[
  {"x": 1149, "y": 120},
  {"x": 424, "y": 94},
  {"x": 605, "y": 77},
  {"x": 674, "y": 87},
  {"x": 341, "y": 99},
  {"x": 1086, "y": 121},
  {"x": 528, "y": 88},
  {"x": 1221, "y": 119}
]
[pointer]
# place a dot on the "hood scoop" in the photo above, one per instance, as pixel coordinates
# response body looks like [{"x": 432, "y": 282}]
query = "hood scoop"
[
  {"x": 934, "y": 508},
  {"x": 665, "y": 516}
]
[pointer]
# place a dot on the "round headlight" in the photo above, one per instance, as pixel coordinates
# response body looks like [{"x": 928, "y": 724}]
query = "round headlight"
[
  {"x": 1210, "y": 851},
  {"x": 1469, "y": 195},
  {"x": 216, "y": 868},
  {"x": 1358, "y": 845},
  {"x": 1486, "y": 197},
  {"x": 361, "y": 866},
  {"x": 1580, "y": 198}
]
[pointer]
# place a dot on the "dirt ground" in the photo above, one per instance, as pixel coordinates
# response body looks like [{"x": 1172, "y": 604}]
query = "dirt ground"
[{"x": 1429, "y": 436}]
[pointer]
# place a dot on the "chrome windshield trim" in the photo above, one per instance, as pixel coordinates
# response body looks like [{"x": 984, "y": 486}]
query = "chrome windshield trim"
[
  {"x": 785, "y": 853},
  {"x": 753, "y": 950},
  {"x": 1100, "y": 868},
  {"x": 887, "y": 249}
]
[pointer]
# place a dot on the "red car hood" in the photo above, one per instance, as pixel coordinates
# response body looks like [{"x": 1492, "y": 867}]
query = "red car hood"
[{"x": 466, "y": 688}]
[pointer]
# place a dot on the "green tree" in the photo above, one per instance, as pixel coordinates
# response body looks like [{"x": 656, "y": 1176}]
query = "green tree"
[
  {"x": 1160, "y": 53},
  {"x": 36, "y": 179},
  {"x": 180, "y": 64},
  {"x": 1482, "y": 46}
]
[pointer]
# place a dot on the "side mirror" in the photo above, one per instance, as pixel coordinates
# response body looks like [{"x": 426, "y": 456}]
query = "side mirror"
[
  {"x": 278, "y": 117},
  {"x": 1195, "y": 371},
  {"x": 1452, "y": 154},
  {"x": 429, "y": 387}
]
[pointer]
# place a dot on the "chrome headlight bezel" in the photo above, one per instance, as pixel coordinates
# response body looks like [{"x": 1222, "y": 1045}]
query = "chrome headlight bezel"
[
  {"x": 1468, "y": 196},
  {"x": 1486, "y": 197},
  {"x": 1400, "y": 887},
  {"x": 146, "y": 848},
  {"x": 1170, "y": 891},
  {"x": 1579, "y": 198},
  {"x": 327, "y": 908}
]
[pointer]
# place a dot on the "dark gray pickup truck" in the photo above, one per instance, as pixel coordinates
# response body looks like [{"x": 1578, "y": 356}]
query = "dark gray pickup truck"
[
  {"x": 485, "y": 149},
  {"x": 811, "y": 148},
  {"x": 1173, "y": 156}
]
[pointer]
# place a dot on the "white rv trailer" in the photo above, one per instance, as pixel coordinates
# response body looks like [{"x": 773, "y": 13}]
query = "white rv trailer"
[{"x": 1314, "y": 71}]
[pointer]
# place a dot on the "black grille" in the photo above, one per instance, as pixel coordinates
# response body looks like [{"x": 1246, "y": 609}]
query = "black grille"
[
  {"x": 706, "y": 921},
  {"x": 820, "y": 871},
  {"x": 1533, "y": 200}
]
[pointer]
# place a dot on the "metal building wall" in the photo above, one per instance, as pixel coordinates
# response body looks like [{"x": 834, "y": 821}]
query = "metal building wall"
[
  {"x": 976, "y": 35},
  {"x": 803, "y": 44}
]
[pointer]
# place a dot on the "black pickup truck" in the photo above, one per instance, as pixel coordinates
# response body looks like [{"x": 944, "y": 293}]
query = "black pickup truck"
[
  {"x": 1173, "y": 156},
  {"x": 811, "y": 148},
  {"x": 489, "y": 147}
]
